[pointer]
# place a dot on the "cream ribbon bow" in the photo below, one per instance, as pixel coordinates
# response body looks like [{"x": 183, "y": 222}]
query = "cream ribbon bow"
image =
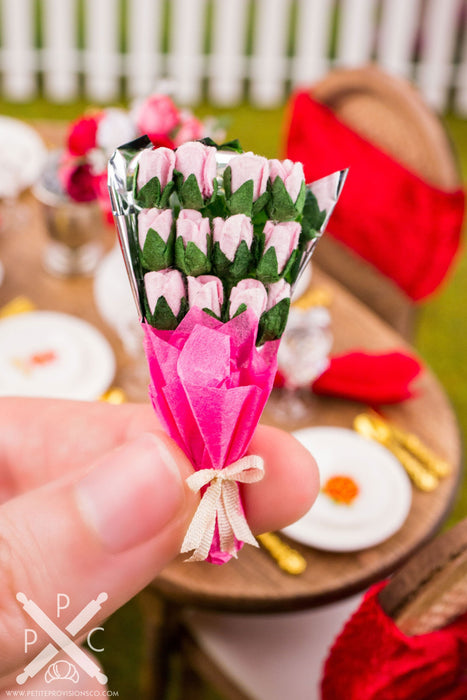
[{"x": 222, "y": 500}]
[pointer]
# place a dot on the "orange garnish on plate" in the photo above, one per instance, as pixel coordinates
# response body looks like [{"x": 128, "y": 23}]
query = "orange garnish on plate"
[
  {"x": 341, "y": 489},
  {"x": 43, "y": 358}
]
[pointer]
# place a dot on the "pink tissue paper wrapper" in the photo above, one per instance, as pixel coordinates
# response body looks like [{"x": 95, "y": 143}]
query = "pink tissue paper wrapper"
[{"x": 209, "y": 385}]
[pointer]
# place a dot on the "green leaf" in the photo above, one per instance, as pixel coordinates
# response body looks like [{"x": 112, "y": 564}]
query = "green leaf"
[
  {"x": 150, "y": 194},
  {"x": 240, "y": 310},
  {"x": 156, "y": 253},
  {"x": 273, "y": 322},
  {"x": 292, "y": 266},
  {"x": 163, "y": 316},
  {"x": 228, "y": 181},
  {"x": 135, "y": 182},
  {"x": 168, "y": 189},
  {"x": 190, "y": 195},
  {"x": 220, "y": 261},
  {"x": 233, "y": 145},
  {"x": 190, "y": 260},
  {"x": 300, "y": 201},
  {"x": 217, "y": 207},
  {"x": 197, "y": 263},
  {"x": 241, "y": 201},
  {"x": 281, "y": 207},
  {"x": 267, "y": 267},
  {"x": 260, "y": 203},
  {"x": 313, "y": 217},
  {"x": 241, "y": 263},
  {"x": 232, "y": 270}
]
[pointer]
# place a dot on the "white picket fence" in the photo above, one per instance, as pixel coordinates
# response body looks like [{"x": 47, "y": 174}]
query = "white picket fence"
[{"x": 226, "y": 50}]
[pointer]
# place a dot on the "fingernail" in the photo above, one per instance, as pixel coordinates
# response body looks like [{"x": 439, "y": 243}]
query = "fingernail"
[{"x": 131, "y": 494}]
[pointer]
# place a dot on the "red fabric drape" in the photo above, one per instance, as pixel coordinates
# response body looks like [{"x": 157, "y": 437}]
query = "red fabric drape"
[
  {"x": 373, "y": 660},
  {"x": 406, "y": 228}
]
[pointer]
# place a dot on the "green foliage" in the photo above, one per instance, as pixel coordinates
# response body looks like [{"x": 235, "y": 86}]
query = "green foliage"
[
  {"x": 272, "y": 323},
  {"x": 156, "y": 253}
]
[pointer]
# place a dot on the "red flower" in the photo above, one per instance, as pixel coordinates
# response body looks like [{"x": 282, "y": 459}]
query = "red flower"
[
  {"x": 161, "y": 140},
  {"x": 79, "y": 182},
  {"x": 82, "y": 135}
]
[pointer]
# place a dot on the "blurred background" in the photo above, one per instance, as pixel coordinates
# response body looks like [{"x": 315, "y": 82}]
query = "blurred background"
[{"x": 240, "y": 60}]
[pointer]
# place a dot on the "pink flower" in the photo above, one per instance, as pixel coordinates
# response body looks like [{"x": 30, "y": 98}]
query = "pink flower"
[
  {"x": 206, "y": 292},
  {"x": 158, "y": 219},
  {"x": 192, "y": 226},
  {"x": 168, "y": 284},
  {"x": 276, "y": 292},
  {"x": 200, "y": 160},
  {"x": 250, "y": 292},
  {"x": 290, "y": 173},
  {"x": 156, "y": 116},
  {"x": 283, "y": 238},
  {"x": 230, "y": 232},
  {"x": 190, "y": 130},
  {"x": 247, "y": 166},
  {"x": 156, "y": 162}
]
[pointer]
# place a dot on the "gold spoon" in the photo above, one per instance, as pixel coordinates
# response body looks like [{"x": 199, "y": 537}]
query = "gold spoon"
[{"x": 288, "y": 559}]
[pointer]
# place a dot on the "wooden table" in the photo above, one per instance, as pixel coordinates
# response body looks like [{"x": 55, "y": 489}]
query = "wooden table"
[{"x": 254, "y": 582}]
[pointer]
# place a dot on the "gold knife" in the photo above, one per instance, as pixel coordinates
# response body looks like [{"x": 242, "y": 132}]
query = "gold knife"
[{"x": 288, "y": 559}]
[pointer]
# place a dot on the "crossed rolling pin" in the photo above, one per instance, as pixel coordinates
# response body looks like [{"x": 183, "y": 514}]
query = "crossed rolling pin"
[{"x": 61, "y": 639}]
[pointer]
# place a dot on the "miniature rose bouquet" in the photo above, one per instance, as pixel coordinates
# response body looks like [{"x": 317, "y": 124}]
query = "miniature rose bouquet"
[
  {"x": 214, "y": 240},
  {"x": 93, "y": 137}
]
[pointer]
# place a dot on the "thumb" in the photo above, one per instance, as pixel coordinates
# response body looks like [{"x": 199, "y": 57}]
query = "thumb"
[{"x": 109, "y": 530}]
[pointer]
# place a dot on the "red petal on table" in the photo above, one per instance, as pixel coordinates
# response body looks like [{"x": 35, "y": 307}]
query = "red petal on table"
[{"x": 370, "y": 378}]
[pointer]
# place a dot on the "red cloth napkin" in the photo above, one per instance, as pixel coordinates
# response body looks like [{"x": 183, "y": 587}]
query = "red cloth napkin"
[
  {"x": 406, "y": 228},
  {"x": 373, "y": 660},
  {"x": 370, "y": 378},
  {"x": 373, "y": 378}
]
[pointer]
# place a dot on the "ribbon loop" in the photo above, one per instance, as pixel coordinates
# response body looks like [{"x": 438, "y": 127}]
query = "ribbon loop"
[{"x": 221, "y": 502}]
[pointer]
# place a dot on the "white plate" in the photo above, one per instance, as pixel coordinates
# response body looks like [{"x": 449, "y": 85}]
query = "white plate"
[
  {"x": 49, "y": 354},
  {"x": 22, "y": 156},
  {"x": 377, "y": 512}
]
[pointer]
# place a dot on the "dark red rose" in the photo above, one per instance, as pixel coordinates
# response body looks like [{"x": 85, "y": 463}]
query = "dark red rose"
[{"x": 79, "y": 182}]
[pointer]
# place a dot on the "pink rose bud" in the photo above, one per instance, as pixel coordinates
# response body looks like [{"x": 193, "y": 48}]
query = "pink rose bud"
[
  {"x": 192, "y": 226},
  {"x": 276, "y": 292},
  {"x": 283, "y": 238},
  {"x": 247, "y": 166},
  {"x": 250, "y": 292},
  {"x": 206, "y": 292},
  {"x": 230, "y": 232},
  {"x": 156, "y": 116},
  {"x": 158, "y": 219},
  {"x": 200, "y": 160},
  {"x": 168, "y": 284},
  {"x": 190, "y": 130},
  {"x": 290, "y": 173},
  {"x": 156, "y": 162}
]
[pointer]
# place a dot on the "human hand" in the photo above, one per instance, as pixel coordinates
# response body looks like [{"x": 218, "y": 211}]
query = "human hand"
[{"x": 93, "y": 498}]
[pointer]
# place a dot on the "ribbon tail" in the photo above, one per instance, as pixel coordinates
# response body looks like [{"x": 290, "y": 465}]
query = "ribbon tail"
[
  {"x": 238, "y": 525},
  {"x": 200, "y": 533}
]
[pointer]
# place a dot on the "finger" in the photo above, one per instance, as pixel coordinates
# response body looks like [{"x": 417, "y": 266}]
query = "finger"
[
  {"x": 113, "y": 529},
  {"x": 290, "y": 484},
  {"x": 40, "y": 439}
]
